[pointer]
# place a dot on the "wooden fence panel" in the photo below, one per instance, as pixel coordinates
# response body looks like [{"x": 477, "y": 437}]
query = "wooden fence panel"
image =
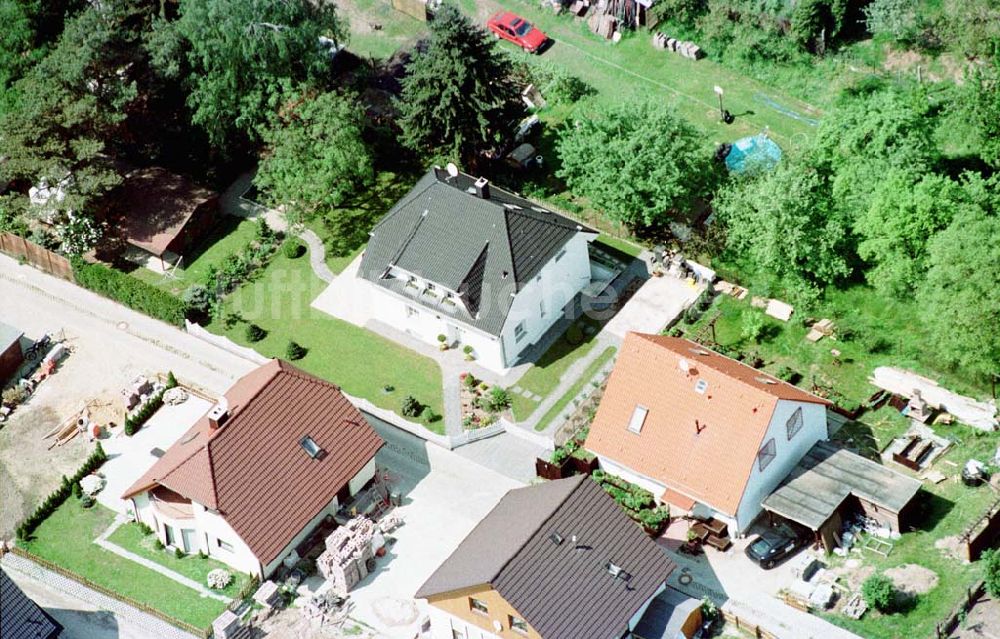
[{"x": 36, "y": 255}]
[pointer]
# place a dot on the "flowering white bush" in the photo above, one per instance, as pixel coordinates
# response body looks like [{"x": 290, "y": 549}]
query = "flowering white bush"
[
  {"x": 78, "y": 234},
  {"x": 219, "y": 579}
]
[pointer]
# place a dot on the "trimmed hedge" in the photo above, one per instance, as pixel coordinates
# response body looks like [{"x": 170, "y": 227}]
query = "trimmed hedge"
[
  {"x": 131, "y": 292},
  {"x": 134, "y": 422},
  {"x": 56, "y": 499}
]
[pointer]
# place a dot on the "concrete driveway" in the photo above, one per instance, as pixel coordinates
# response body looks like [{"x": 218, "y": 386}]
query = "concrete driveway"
[
  {"x": 744, "y": 588},
  {"x": 130, "y": 457},
  {"x": 444, "y": 497}
]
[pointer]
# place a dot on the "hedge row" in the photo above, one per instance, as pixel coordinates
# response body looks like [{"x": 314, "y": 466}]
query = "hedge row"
[
  {"x": 61, "y": 494},
  {"x": 134, "y": 422},
  {"x": 131, "y": 292}
]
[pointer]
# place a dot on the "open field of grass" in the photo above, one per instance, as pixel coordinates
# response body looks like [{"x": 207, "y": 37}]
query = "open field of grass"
[
  {"x": 588, "y": 374},
  {"x": 130, "y": 537},
  {"x": 360, "y": 361},
  {"x": 66, "y": 539},
  {"x": 229, "y": 235}
]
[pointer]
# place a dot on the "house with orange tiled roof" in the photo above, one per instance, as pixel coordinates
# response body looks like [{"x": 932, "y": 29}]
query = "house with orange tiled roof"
[
  {"x": 701, "y": 430},
  {"x": 253, "y": 477}
]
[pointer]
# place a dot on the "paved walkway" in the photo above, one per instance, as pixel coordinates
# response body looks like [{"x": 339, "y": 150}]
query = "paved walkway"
[
  {"x": 149, "y": 625},
  {"x": 103, "y": 542},
  {"x": 317, "y": 255}
]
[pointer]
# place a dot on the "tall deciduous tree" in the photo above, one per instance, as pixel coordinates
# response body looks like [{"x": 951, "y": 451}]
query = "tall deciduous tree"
[
  {"x": 905, "y": 212},
  {"x": 239, "y": 55},
  {"x": 637, "y": 162},
  {"x": 960, "y": 299},
  {"x": 783, "y": 225},
  {"x": 981, "y": 105},
  {"x": 316, "y": 157},
  {"x": 458, "y": 95}
]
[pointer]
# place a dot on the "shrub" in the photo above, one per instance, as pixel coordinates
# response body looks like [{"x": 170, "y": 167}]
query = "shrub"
[
  {"x": 178, "y": 553},
  {"x": 468, "y": 422},
  {"x": 786, "y": 374},
  {"x": 574, "y": 335},
  {"x": 144, "y": 529},
  {"x": 295, "y": 351},
  {"x": 692, "y": 314},
  {"x": 411, "y": 407},
  {"x": 442, "y": 338},
  {"x": 654, "y": 518},
  {"x": 388, "y": 388},
  {"x": 131, "y": 292},
  {"x": 430, "y": 416},
  {"x": 470, "y": 381},
  {"x": 467, "y": 349},
  {"x": 86, "y": 501},
  {"x": 219, "y": 579},
  {"x": 293, "y": 249},
  {"x": 135, "y": 421},
  {"x": 264, "y": 232},
  {"x": 495, "y": 400},
  {"x": 255, "y": 333},
  {"x": 14, "y": 395},
  {"x": 77, "y": 490},
  {"x": 878, "y": 592},
  {"x": 198, "y": 298},
  {"x": 991, "y": 572},
  {"x": 171, "y": 380},
  {"x": 158, "y": 545},
  {"x": 752, "y": 325}
]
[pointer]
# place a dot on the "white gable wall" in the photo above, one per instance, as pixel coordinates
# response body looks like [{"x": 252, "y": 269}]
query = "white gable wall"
[
  {"x": 555, "y": 285},
  {"x": 788, "y": 453}
]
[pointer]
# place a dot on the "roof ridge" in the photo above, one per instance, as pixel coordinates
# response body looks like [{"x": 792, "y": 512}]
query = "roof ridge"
[
  {"x": 510, "y": 247},
  {"x": 563, "y": 221},
  {"x": 579, "y": 482},
  {"x": 655, "y": 339}
]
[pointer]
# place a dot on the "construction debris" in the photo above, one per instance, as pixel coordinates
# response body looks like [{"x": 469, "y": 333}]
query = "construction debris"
[
  {"x": 978, "y": 414},
  {"x": 268, "y": 595},
  {"x": 174, "y": 396},
  {"x": 229, "y": 626},
  {"x": 819, "y": 330},
  {"x": 855, "y": 608},
  {"x": 324, "y": 608}
]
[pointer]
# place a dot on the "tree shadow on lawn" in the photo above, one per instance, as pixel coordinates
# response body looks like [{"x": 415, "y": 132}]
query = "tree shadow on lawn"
[{"x": 929, "y": 509}]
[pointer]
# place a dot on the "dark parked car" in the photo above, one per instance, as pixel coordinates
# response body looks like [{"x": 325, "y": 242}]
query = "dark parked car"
[
  {"x": 777, "y": 544},
  {"x": 516, "y": 29}
]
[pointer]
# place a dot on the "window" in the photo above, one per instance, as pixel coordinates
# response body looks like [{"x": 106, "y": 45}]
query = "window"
[
  {"x": 794, "y": 423},
  {"x": 518, "y": 625},
  {"x": 638, "y": 419},
  {"x": 225, "y": 545},
  {"x": 309, "y": 445},
  {"x": 767, "y": 454},
  {"x": 560, "y": 254},
  {"x": 168, "y": 532},
  {"x": 478, "y": 605},
  {"x": 519, "y": 332},
  {"x": 701, "y": 386},
  {"x": 411, "y": 312}
]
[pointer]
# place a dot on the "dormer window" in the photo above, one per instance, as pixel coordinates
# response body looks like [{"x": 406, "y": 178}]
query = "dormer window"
[
  {"x": 638, "y": 419},
  {"x": 701, "y": 386}
]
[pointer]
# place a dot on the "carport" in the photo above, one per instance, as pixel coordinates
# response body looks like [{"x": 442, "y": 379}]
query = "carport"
[{"x": 830, "y": 483}]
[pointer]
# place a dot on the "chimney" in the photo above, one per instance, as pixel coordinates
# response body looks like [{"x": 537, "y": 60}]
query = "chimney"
[
  {"x": 483, "y": 188},
  {"x": 219, "y": 414}
]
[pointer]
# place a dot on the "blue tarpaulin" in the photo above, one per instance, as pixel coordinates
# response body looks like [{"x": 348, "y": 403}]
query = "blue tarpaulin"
[{"x": 754, "y": 153}]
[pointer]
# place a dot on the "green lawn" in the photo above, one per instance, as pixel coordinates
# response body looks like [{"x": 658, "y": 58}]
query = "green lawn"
[
  {"x": 951, "y": 507},
  {"x": 396, "y": 28},
  {"x": 592, "y": 369},
  {"x": 358, "y": 360},
  {"x": 884, "y": 335},
  {"x": 543, "y": 377},
  {"x": 66, "y": 539},
  {"x": 229, "y": 235},
  {"x": 130, "y": 537}
]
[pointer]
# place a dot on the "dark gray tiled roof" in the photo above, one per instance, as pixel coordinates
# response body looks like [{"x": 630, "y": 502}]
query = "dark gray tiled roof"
[
  {"x": 21, "y": 617},
  {"x": 666, "y": 615},
  {"x": 563, "y": 590},
  {"x": 486, "y": 248}
]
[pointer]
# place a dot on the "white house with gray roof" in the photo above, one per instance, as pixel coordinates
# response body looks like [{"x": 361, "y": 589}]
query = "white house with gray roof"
[{"x": 484, "y": 267}]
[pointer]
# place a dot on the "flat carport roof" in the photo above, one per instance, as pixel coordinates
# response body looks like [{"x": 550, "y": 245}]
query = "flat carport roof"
[{"x": 828, "y": 475}]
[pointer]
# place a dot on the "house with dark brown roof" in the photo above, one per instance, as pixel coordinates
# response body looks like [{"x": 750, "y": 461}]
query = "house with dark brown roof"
[
  {"x": 163, "y": 214},
  {"x": 22, "y": 618},
  {"x": 251, "y": 479},
  {"x": 558, "y": 560},
  {"x": 701, "y": 430}
]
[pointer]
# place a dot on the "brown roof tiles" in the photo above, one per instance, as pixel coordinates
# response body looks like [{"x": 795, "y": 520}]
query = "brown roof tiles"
[{"x": 252, "y": 468}]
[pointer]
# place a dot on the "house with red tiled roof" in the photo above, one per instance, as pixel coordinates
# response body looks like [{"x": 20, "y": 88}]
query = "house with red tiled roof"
[
  {"x": 698, "y": 428},
  {"x": 253, "y": 477}
]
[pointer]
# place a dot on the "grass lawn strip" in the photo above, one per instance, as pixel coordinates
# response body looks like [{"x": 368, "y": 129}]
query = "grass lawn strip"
[
  {"x": 66, "y": 539},
  {"x": 228, "y": 235},
  {"x": 359, "y": 361},
  {"x": 592, "y": 370},
  {"x": 130, "y": 537},
  {"x": 543, "y": 377}
]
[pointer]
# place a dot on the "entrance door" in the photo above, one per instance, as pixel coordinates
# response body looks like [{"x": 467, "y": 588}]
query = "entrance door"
[
  {"x": 187, "y": 536},
  {"x": 168, "y": 532}
]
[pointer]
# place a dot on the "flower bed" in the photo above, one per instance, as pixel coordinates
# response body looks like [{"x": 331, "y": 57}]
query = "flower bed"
[
  {"x": 482, "y": 404},
  {"x": 638, "y": 503}
]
